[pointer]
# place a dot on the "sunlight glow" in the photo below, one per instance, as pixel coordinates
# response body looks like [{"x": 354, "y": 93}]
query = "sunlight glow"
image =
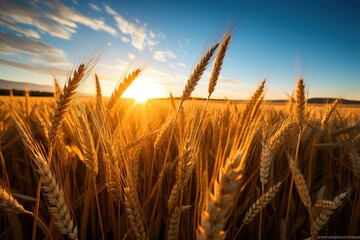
[{"x": 141, "y": 91}]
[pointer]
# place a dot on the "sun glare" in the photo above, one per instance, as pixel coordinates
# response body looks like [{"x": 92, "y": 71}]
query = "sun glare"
[{"x": 141, "y": 91}]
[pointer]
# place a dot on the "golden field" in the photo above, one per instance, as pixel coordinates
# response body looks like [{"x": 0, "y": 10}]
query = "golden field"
[{"x": 99, "y": 168}]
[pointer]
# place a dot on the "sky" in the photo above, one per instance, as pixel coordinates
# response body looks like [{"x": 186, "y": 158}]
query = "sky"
[{"x": 277, "y": 40}]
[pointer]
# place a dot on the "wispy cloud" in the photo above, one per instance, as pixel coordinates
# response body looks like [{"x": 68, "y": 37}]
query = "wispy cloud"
[
  {"x": 94, "y": 7},
  {"x": 138, "y": 33},
  {"x": 51, "y": 17},
  {"x": 16, "y": 28},
  {"x": 35, "y": 68},
  {"x": 13, "y": 45},
  {"x": 163, "y": 56}
]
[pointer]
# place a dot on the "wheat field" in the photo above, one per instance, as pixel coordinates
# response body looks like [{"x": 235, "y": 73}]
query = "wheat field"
[{"x": 110, "y": 168}]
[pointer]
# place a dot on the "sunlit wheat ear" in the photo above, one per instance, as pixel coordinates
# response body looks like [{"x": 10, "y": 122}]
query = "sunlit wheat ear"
[
  {"x": 172, "y": 100},
  {"x": 325, "y": 211},
  {"x": 326, "y": 118},
  {"x": 319, "y": 205},
  {"x": 352, "y": 129},
  {"x": 354, "y": 160},
  {"x": 67, "y": 96},
  {"x": 58, "y": 206},
  {"x": 57, "y": 89},
  {"x": 134, "y": 164},
  {"x": 221, "y": 199},
  {"x": 134, "y": 213},
  {"x": 9, "y": 203},
  {"x": 163, "y": 134},
  {"x": 300, "y": 183},
  {"x": 87, "y": 144},
  {"x": 261, "y": 203},
  {"x": 184, "y": 170},
  {"x": 119, "y": 91},
  {"x": 300, "y": 103},
  {"x": 254, "y": 98},
  {"x": 198, "y": 72},
  {"x": 271, "y": 148},
  {"x": 218, "y": 63},
  {"x": 173, "y": 228},
  {"x": 99, "y": 100}
]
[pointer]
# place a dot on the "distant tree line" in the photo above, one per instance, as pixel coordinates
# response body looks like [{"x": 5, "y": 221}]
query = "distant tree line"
[{"x": 15, "y": 92}]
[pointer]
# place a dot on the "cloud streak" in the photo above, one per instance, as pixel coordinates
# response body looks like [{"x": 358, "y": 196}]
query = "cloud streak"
[
  {"x": 163, "y": 56},
  {"x": 137, "y": 33},
  {"x": 35, "y": 68},
  {"x": 51, "y": 17},
  {"x": 13, "y": 45}
]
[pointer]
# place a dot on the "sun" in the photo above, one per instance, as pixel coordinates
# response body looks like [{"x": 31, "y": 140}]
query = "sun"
[{"x": 141, "y": 91}]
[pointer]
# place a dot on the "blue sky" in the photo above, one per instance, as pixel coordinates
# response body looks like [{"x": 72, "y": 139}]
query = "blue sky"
[{"x": 277, "y": 40}]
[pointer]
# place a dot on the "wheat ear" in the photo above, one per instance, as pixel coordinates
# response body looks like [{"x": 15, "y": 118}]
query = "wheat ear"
[
  {"x": 173, "y": 228},
  {"x": 331, "y": 109},
  {"x": 354, "y": 128},
  {"x": 254, "y": 98},
  {"x": 164, "y": 132},
  {"x": 354, "y": 160},
  {"x": 198, "y": 72},
  {"x": 57, "y": 89},
  {"x": 271, "y": 148},
  {"x": 221, "y": 199},
  {"x": 218, "y": 63},
  {"x": 118, "y": 92},
  {"x": 134, "y": 213},
  {"x": 64, "y": 101},
  {"x": 300, "y": 184},
  {"x": 328, "y": 210},
  {"x": 87, "y": 144},
  {"x": 58, "y": 206},
  {"x": 261, "y": 203},
  {"x": 99, "y": 99},
  {"x": 300, "y": 103},
  {"x": 186, "y": 165},
  {"x": 9, "y": 203},
  {"x": 183, "y": 173}
]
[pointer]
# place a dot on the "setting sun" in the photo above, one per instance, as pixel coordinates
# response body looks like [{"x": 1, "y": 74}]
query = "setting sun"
[{"x": 142, "y": 90}]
